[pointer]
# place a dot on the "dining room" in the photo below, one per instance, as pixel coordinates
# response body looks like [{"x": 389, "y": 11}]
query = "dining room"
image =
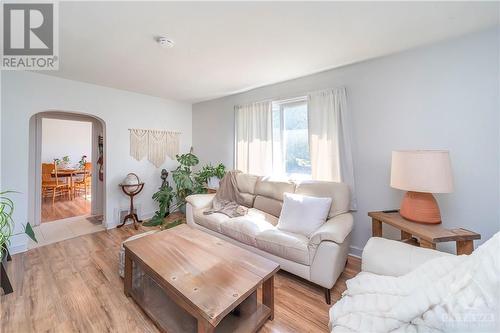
[{"x": 66, "y": 156}]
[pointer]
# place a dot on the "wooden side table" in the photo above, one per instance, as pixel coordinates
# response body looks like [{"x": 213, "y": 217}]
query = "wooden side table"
[
  {"x": 131, "y": 191},
  {"x": 428, "y": 235}
]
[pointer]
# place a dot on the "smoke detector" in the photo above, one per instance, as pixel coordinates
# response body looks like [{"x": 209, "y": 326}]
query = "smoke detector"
[{"x": 165, "y": 42}]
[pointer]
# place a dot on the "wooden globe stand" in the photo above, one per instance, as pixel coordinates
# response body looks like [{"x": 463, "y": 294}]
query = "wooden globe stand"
[{"x": 131, "y": 194}]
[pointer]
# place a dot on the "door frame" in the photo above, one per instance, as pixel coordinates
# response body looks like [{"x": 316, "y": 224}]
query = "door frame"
[{"x": 98, "y": 188}]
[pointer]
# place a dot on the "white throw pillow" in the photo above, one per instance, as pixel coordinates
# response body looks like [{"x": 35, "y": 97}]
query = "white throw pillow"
[{"x": 303, "y": 214}]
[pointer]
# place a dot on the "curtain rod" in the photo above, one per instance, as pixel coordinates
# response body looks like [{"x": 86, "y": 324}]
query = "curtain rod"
[
  {"x": 159, "y": 130},
  {"x": 282, "y": 99},
  {"x": 295, "y": 97}
]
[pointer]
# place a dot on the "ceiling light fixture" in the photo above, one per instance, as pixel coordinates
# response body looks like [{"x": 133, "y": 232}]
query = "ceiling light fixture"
[{"x": 165, "y": 42}]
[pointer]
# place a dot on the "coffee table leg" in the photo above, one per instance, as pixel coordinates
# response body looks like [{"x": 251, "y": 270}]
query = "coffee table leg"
[
  {"x": 465, "y": 247},
  {"x": 426, "y": 244},
  {"x": 268, "y": 295},
  {"x": 205, "y": 327},
  {"x": 376, "y": 228},
  {"x": 127, "y": 279}
]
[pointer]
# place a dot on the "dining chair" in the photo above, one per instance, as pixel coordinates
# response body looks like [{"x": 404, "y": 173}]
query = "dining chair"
[
  {"x": 51, "y": 185},
  {"x": 83, "y": 183}
]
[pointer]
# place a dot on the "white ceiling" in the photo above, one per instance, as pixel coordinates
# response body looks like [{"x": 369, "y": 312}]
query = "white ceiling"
[{"x": 227, "y": 47}]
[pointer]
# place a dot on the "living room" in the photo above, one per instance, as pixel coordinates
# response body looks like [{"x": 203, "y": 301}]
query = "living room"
[{"x": 330, "y": 111}]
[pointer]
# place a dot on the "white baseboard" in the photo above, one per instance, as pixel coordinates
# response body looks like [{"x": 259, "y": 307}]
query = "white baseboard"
[
  {"x": 355, "y": 251},
  {"x": 18, "y": 243},
  {"x": 145, "y": 216}
]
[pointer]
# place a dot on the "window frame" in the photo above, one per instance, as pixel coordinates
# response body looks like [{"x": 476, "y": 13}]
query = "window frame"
[{"x": 282, "y": 104}]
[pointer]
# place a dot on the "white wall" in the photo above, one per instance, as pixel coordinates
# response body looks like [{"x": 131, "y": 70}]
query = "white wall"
[
  {"x": 443, "y": 96},
  {"x": 66, "y": 138},
  {"x": 25, "y": 94}
]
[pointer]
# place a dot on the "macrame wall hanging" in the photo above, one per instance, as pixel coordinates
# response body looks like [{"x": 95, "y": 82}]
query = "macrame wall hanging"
[
  {"x": 138, "y": 143},
  {"x": 156, "y": 144}
]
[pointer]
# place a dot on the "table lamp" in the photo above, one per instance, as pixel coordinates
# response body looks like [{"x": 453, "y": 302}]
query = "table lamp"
[{"x": 421, "y": 173}]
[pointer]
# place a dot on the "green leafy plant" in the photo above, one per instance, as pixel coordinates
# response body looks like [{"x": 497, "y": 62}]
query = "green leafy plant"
[
  {"x": 163, "y": 224},
  {"x": 209, "y": 171},
  {"x": 184, "y": 179},
  {"x": 82, "y": 161},
  {"x": 28, "y": 230},
  {"x": 7, "y": 223},
  {"x": 164, "y": 197},
  {"x": 220, "y": 171},
  {"x": 64, "y": 159}
]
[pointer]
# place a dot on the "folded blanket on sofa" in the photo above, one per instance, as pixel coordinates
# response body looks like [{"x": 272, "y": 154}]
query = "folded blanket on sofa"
[
  {"x": 446, "y": 294},
  {"x": 228, "y": 200}
]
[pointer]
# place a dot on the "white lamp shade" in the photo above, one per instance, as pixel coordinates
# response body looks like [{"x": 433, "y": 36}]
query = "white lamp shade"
[{"x": 422, "y": 171}]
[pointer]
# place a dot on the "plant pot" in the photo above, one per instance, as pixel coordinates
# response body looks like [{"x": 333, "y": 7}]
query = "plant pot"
[{"x": 213, "y": 183}]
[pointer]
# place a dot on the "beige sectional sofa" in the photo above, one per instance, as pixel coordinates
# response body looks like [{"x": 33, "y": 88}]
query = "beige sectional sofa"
[{"x": 319, "y": 258}]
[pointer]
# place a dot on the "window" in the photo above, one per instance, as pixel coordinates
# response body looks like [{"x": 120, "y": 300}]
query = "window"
[
  {"x": 291, "y": 139},
  {"x": 301, "y": 138}
]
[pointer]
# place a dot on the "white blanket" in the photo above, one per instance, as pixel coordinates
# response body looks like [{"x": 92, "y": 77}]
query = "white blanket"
[{"x": 446, "y": 294}]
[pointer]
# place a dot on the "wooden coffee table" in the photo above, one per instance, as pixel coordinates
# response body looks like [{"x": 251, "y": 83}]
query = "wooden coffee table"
[{"x": 190, "y": 281}]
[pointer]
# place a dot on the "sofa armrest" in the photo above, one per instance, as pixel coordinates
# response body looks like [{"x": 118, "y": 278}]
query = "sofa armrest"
[
  {"x": 199, "y": 201},
  {"x": 335, "y": 229},
  {"x": 388, "y": 257}
]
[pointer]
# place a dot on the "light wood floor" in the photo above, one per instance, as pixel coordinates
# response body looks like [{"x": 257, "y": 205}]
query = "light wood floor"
[
  {"x": 73, "y": 286},
  {"x": 64, "y": 208}
]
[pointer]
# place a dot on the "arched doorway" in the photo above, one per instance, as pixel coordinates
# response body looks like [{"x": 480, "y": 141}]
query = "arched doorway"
[{"x": 98, "y": 195}]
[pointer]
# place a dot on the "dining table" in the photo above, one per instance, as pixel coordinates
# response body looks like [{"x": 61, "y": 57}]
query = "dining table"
[{"x": 68, "y": 174}]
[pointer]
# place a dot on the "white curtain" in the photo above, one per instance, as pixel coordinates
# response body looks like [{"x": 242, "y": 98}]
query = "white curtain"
[
  {"x": 330, "y": 138},
  {"x": 254, "y": 138}
]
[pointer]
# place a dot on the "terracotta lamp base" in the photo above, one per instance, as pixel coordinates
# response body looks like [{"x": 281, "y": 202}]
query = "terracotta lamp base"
[{"x": 420, "y": 207}]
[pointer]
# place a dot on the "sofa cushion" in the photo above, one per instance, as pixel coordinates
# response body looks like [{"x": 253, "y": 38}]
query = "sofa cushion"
[
  {"x": 246, "y": 183},
  {"x": 259, "y": 214},
  {"x": 268, "y": 205},
  {"x": 339, "y": 192},
  {"x": 303, "y": 214},
  {"x": 245, "y": 228},
  {"x": 284, "y": 244},
  {"x": 211, "y": 221},
  {"x": 274, "y": 189},
  {"x": 248, "y": 199}
]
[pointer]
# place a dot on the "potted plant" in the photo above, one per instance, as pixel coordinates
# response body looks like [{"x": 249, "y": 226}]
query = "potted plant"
[
  {"x": 184, "y": 179},
  {"x": 6, "y": 228},
  {"x": 210, "y": 176},
  {"x": 62, "y": 163},
  {"x": 7, "y": 223},
  {"x": 81, "y": 163},
  {"x": 164, "y": 197}
]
